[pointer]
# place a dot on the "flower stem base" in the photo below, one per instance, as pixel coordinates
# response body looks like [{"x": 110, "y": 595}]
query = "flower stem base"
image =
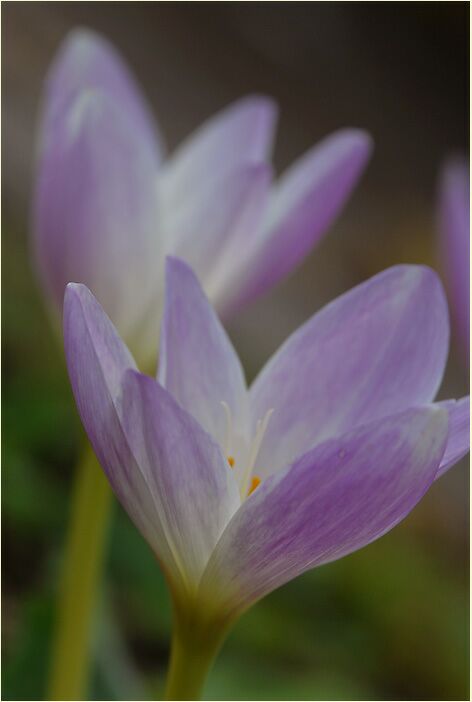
[{"x": 193, "y": 651}]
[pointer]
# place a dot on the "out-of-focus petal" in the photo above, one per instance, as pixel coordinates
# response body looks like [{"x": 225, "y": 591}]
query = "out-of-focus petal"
[
  {"x": 95, "y": 215},
  {"x": 458, "y": 441},
  {"x": 376, "y": 350},
  {"x": 241, "y": 133},
  {"x": 335, "y": 499},
  {"x": 87, "y": 61},
  {"x": 197, "y": 362},
  {"x": 455, "y": 244},
  {"x": 97, "y": 361},
  {"x": 191, "y": 484},
  {"x": 214, "y": 217},
  {"x": 303, "y": 204}
]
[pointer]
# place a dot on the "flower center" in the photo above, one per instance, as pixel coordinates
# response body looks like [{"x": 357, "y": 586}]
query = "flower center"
[{"x": 247, "y": 481}]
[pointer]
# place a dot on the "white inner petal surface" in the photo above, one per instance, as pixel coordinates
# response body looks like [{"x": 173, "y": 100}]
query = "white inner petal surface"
[{"x": 242, "y": 453}]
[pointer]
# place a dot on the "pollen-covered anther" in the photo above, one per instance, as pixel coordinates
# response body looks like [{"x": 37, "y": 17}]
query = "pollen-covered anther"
[
  {"x": 231, "y": 461},
  {"x": 255, "y": 482}
]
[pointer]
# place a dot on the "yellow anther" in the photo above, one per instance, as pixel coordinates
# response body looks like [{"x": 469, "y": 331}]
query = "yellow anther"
[
  {"x": 255, "y": 481},
  {"x": 231, "y": 461}
]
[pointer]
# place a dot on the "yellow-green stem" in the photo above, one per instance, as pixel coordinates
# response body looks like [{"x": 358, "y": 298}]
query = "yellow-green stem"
[
  {"x": 82, "y": 569},
  {"x": 195, "y": 643}
]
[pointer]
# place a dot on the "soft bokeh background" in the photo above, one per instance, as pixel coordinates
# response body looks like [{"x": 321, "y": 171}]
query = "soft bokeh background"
[{"x": 389, "y": 622}]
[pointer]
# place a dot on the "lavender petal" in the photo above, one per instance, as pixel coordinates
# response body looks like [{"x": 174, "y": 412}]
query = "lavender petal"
[
  {"x": 332, "y": 501},
  {"x": 376, "y": 350}
]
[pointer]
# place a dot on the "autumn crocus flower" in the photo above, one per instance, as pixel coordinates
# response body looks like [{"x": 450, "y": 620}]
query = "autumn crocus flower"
[
  {"x": 109, "y": 205},
  {"x": 454, "y": 230},
  {"x": 237, "y": 491}
]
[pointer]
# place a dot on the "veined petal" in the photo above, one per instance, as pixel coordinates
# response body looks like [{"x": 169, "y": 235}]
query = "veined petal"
[
  {"x": 95, "y": 213},
  {"x": 87, "y": 61},
  {"x": 455, "y": 243},
  {"x": 335, "y": 499},
  {"x": 376, "y": 350},
  {"x": 241, "y": 133},
  {"x": 303, "y": 204},
  {"x": 215, "y": 217},
  {"x": 191, "y": 484},
  {"x": 197, "y": 363},
  {"x": 458, "y": 441},
  {"x": 97, "y": 361}
]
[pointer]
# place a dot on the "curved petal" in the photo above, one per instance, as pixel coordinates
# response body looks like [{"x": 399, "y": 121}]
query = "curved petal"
[
  {"x": 303, "y": 204},
  {"x": 191, "y": 483},
  {"x": 241, "y": 133},
  {"x": 95, "y": 212},
  {"x": 458, "y": 441},
  {"x": 87, "y": 61},
  {"x": 455, "y": 243},
  {"x": 197, "y": 363},
  {"x": 215, "y": 217},
  {"x": 332, "y": 501},
  {"x": 376, "y": 350},
  {"x": 97, "y": 361}
]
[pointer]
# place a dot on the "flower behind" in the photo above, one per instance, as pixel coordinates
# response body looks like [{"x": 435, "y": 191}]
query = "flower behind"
[
  {"x": 454, "y": 214},
  {"x": 109, "y": 206},
  {"x": 237, "y": 491}
]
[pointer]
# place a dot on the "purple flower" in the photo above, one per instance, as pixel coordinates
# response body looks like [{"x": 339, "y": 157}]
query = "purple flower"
[
  {"x": 108, "y": 207},
  {"x": 454, "y": 232},
  {"x": 237, "y": 491}
]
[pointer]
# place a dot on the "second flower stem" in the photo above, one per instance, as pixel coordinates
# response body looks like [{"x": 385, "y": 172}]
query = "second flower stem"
[{"x": 82, "y": 570}]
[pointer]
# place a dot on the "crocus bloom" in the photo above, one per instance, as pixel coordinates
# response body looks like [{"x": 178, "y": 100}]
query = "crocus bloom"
[
  {"x": 109, "y": 206},
  {"x": 454, "y": 216},
  {"x": 237, "y": 491}
]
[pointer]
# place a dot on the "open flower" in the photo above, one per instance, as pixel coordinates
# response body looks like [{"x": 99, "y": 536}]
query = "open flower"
[
  {"x": 454, "y": 213},
  {"x": 237, "y": 491},
  {"x": 109, "y": 206}
]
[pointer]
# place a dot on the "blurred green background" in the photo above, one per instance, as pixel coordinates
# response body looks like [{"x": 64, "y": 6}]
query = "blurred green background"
[{"x": 389, "y": 622}]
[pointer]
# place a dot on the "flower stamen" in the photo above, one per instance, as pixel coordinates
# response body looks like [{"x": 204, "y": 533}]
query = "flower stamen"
[
  {"x": 255, "y": 482},
  {"x": 231, "y": 461},
  {"x": 261, "y": 426}
]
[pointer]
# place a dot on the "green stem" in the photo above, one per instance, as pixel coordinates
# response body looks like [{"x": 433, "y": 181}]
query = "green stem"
[
  {"x": 193, "y": 651},
  {"x": 82, "y": 570}
]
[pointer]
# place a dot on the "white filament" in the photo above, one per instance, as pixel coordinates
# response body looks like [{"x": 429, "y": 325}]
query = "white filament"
[
  {"x": 229, "y": 428},
  {"x": 261, "y": 428},
  {"x": 254, "y": 447}
]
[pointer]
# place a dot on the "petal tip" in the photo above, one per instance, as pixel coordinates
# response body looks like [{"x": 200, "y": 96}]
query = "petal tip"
[
  {"x": 264, "y": 104},
  {"x": 177, "y": 266},
  {"x": 75, "y": 290},
  {"x": 424, "y": 280},
  {"x": 417, "y": 274},
  {"x": 81, "y": 41},
  {"x": 179, "y": 275},
  {"x": 356, "y": 140}
]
